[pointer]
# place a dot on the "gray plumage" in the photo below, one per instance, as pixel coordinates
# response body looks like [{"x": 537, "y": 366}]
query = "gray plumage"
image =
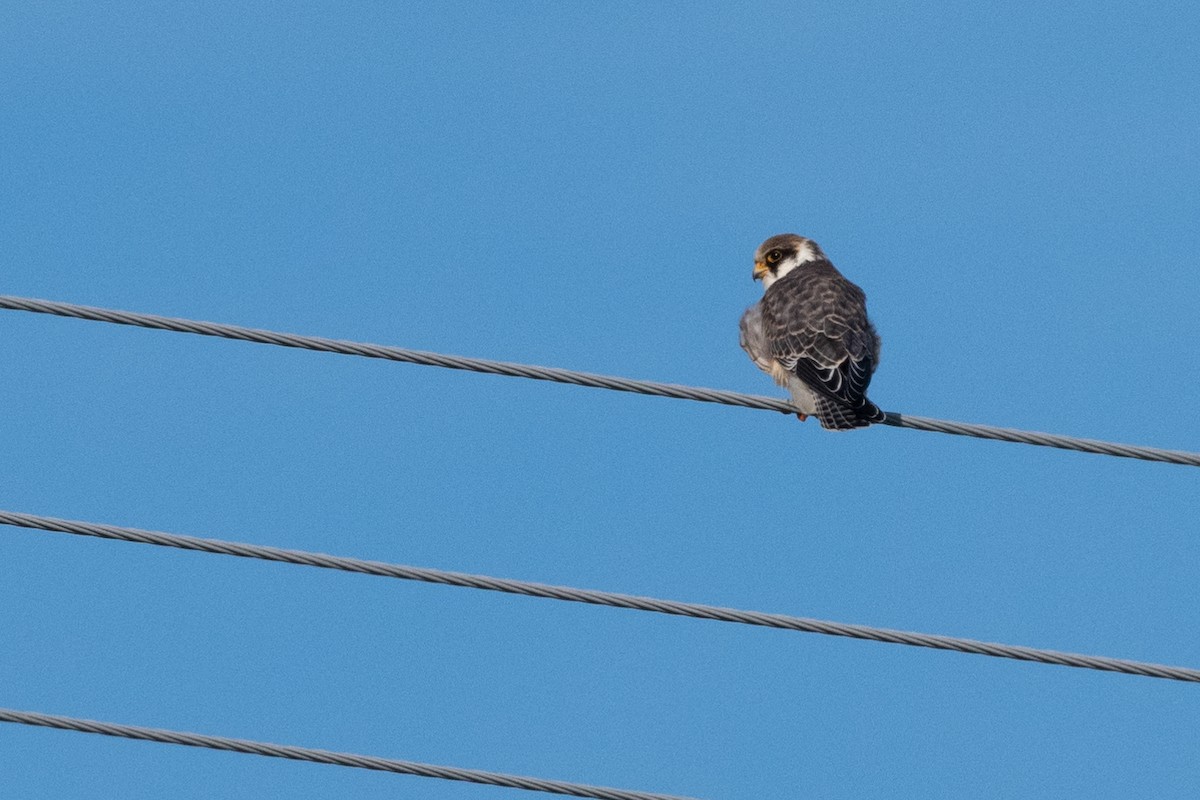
[{"x": 811, "y": 333}]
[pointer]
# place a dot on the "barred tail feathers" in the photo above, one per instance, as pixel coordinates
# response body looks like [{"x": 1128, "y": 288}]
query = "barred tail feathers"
[{"x": 835, "y": 416}]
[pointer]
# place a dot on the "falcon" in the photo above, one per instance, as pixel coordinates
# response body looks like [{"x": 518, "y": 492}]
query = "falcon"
[{"x": 810, "y": 333}]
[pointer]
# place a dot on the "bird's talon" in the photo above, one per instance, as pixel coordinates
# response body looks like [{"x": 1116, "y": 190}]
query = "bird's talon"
[{"x": 801, "y": 417}]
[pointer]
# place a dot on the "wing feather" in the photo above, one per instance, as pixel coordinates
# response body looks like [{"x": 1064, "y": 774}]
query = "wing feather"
[
  {"x": 815, "y": 322},
  {"x": 753, "y": 340}
]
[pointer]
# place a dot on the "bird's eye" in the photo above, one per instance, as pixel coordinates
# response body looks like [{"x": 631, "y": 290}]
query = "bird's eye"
[{"x": 774, "y": 256}]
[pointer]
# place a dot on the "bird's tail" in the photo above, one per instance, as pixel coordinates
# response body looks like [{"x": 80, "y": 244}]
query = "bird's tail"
[{"x": 837, "y": 417}]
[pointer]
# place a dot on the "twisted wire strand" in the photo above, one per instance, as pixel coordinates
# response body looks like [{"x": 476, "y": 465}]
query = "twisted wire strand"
[
  {"x": 602, "y": 598},
  {"x": 559, "y": 375},
  {"x": 327, "y": 757}
]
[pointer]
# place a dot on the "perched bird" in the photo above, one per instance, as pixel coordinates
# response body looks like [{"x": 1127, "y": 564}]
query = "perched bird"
[{"x": 810, "y": 332}]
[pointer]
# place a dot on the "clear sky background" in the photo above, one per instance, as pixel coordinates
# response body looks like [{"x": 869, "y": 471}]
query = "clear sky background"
[{"x": 1016, "y": 187}]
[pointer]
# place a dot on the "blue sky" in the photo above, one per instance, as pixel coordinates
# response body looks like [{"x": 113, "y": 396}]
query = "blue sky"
[{"x": 583, "y": 185}]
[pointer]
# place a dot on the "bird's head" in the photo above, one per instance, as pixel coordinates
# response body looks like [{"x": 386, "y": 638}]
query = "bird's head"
[{"x": 781, "y": 254}]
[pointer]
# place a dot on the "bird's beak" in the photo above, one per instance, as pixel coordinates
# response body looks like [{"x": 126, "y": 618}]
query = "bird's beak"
[{"x": 760, "y": 269}]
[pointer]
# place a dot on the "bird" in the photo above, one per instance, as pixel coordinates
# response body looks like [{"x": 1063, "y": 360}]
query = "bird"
[{"x": 810, "y": 332}]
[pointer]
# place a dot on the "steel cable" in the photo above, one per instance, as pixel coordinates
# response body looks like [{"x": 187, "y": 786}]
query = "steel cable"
[
  {"x": 327, "y": 757},
  {"x": 559, "y": 375},
  {"x": 596, "y": 597}
]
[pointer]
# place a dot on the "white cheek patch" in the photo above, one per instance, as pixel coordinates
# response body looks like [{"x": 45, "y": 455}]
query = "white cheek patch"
[
  {"x": 804, "y": 254},
  {"x": 780, "y": 271}
]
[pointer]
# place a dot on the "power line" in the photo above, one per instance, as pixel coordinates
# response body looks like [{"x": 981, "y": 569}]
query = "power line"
[
  {"x": 601, "y": 598},
  {"x": 559, "y": 375},
  {"x": 327, "y": 757}
]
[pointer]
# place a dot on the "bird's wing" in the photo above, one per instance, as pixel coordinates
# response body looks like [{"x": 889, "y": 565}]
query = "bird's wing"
[
  {"x": 817, "y": 326},
  {"x": 752, "y": 338}
]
